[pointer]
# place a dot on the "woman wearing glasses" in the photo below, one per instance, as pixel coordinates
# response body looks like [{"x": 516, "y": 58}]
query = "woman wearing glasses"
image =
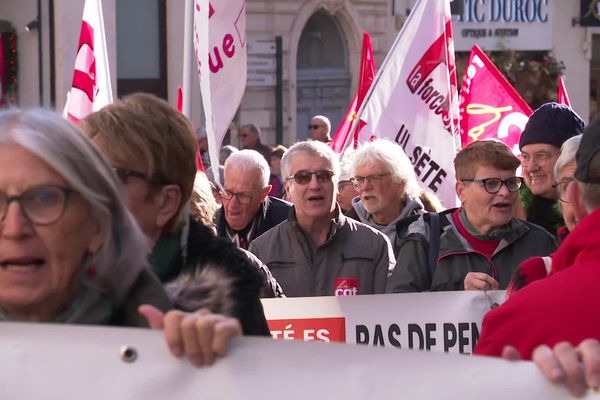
[
  {"x": 481, "y": 244},
  {"x": 536, "y": 268},
  {"x": 70, "y": 251}
]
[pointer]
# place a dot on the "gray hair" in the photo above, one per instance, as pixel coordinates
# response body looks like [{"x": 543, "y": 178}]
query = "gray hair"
[
  {"x": 325, "y": 120},
  {"x": 567, "y": 154},
  {"x": 228, "y": 150},
  {"x": 250, "y": 161},
  {"x": 72, "y": 155},
  {"x": 311, "y": 148},
  {"x": 393, "y": 157}
]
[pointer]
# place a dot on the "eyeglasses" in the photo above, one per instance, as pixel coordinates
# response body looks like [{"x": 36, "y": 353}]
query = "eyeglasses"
[
  {"x": 242, "y": 198},
  {"x": 493, "y": 185},
  {"x": 374, "y": 179},
  {"x": 304, "y": 177},
  {"x": 42, "y": 205},
  {"x": 315, "y": 126},
  {"x": 343, "y": 184},
  {"x": 561, "y": 188},
  {"x": 540, "y": 158},
  {"x": 124, "y": 174}
]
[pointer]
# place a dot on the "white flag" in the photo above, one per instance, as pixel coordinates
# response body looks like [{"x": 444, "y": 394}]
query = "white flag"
[
  {"x": 414, "y": 99},
  {"x": 220, "y": 47},
  {"x": 91, "y": 88}
]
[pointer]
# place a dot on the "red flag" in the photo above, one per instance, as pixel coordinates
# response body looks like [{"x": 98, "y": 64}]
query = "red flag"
[
  {"x": 179, "y": 99},
  {"x": 489, "y": 106},
  {"x": 563, "y": 96},
  {"x": 91, "y": 87},
  {"x": 367, "y": 74}
]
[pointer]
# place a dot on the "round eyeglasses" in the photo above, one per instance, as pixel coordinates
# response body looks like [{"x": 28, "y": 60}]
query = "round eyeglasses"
[
  {"x": 42, "y": 205},
  {"x": 561, "y": 189}
]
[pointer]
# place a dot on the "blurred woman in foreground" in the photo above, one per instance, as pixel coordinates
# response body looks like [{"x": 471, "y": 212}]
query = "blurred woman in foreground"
[{"x": 71, "y": 252}]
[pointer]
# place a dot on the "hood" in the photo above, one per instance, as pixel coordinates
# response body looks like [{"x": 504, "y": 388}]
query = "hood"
[{"x": 412, "y": 207}]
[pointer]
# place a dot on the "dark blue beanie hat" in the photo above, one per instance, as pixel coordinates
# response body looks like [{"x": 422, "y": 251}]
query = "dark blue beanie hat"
[{"x": 553, "y": 124}]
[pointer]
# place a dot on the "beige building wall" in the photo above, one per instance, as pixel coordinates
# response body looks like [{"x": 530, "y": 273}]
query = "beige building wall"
[{"x": 265, "y": 20}]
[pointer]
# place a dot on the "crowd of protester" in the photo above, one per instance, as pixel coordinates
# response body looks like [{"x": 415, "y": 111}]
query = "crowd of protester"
[{"x": 112, "y": 224}]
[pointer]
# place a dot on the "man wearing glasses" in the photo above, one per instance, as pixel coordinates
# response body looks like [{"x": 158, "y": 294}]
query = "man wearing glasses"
[
  {"x": 317, "y": 251},
  {"x": 547, "y": 129},
  {"x": 247, "y": 210},
  {"x": 388, "y": 190},
  {"x": 250, "y": 140},
  {"x": 319, "y": 129},
  {"x": 482, "y": 243}
]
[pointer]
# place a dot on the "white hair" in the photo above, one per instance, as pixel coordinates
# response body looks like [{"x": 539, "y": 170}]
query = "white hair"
[
  {"x": 567, "y": 154},
  {"x": 250, "y": 161},
  {"x": 395, "y": 160}
]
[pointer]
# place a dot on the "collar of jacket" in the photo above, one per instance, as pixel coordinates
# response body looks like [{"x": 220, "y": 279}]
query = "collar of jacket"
[
  {"x": 453, "y": 240},
  {"x": 337, "y": 222}
]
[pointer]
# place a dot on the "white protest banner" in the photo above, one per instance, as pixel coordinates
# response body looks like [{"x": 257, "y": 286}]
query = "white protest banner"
[
  {"x": 50, "y": 361},
  {"x": 221, "y": 53},
  {"x": 413, "y": 99},
  {"x": 436, "y": 321},
  {"x": 91, "y": 88}
]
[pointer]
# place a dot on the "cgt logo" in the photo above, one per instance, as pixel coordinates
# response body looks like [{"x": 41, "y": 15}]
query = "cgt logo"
[
  {"x": 309, "y": 329},
  {"x": 345, "y": 287}
]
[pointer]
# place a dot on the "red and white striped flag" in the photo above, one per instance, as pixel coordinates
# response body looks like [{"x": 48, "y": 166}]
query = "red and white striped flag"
[
  {"x": 91, "y": 88},
  {"x": 563, "y": 96}
]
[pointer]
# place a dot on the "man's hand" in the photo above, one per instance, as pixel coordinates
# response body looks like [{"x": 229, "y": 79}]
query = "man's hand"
[
  {"x": 578, "y": 368},
  {"x": 480, "y": 281},
  {"x": 201, "y": 335}
]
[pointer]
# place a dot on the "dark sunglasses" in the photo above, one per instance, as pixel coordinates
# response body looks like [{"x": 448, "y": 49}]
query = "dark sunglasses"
[
  {"x": 304, "y": 177},
  {"x": 314, "y": 126}
]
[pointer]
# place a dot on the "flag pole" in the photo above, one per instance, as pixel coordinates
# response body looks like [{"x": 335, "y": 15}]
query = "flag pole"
[{"x": 188, "y": 51}]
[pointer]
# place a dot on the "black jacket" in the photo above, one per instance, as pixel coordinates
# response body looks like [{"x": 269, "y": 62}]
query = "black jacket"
[{"x": 272, "y": 212}]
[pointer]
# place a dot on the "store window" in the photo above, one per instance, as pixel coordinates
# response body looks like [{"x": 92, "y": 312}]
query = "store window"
[{"x": 141, "y": 47}]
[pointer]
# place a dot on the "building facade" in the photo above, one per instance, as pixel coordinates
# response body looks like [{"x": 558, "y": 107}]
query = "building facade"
[{"x": 320, "y": 43}]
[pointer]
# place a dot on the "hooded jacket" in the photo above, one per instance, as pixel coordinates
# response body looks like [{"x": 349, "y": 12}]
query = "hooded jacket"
[
  {"x": 558, "y": 308},
  {"x": 413, "y": 207}
]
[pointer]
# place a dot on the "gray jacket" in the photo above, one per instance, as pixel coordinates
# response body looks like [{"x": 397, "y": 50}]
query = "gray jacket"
[
  {"x": 412, "y": 208},
  {"x": 354, "y": 255},
  {"x": 456, "y": 257}
]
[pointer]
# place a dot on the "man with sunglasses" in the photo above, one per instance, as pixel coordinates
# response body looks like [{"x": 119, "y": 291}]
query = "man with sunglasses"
[
  {"x": 247, "y": 210},
  {"x": 319, "y": 129},
  {"x": 481, "y": 244},
  {"x": 250, "y": 140},
  {"x": 317, "y": 251}
]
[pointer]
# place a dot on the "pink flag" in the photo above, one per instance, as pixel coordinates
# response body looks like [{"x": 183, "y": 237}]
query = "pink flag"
[
  {"x": 563, "y": 96},
  {"x": 367, "y": 74},
  {"x": 413, "y": 99},
  {"x": 489, "y": 106},
  {"x": 91, "y": 87}
]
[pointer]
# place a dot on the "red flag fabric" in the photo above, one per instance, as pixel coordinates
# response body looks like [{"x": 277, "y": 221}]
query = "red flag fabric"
[
  {"x": 489, "y": 106},
  {"x": 563, "y": 96},
  {"x": 179, "y": 99},
  {"x": 367, "y": 74},
  {"x": 91, "y": 87}
]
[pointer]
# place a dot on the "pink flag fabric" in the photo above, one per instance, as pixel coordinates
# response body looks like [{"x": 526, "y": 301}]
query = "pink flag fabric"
[
  {"x": 91, "y": 87},
  {"x": 563, "y": 96},
  {"x": 490, "y": 108},
  {"x": 414, "y": 101},
  {"x": 367, "y": 74}
]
